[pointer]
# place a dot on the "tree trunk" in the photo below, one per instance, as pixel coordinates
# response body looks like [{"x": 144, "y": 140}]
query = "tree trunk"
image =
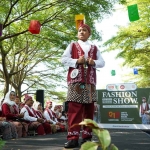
[{"x": 5, "y": 72}]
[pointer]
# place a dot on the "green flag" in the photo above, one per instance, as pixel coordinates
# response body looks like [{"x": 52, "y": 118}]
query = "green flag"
[
  {"x": 113, "y": 72},
  {"x": 133, "y": 12}
]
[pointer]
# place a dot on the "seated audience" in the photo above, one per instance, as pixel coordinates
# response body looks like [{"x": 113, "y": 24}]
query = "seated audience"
[
  {"x": 39, "y": 112},
  {"x": 18, "y": 104},
  {"x": 9, "y": 111},
  {"x": 7, "y": 129},
  {"x": 1, "y": 102},
  {"x": 61, "y": 116},
  {"x": 35, "y": 123},
  {"x": 51, "y": 117},
  {"x": 57, "y": 111}
]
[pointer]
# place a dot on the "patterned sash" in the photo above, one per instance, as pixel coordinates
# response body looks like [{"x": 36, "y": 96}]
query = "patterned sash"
[
  {"x": 52, "y": 117},
  {"x": 30, "y": 113},
  {"x": 16, "y": 108}
]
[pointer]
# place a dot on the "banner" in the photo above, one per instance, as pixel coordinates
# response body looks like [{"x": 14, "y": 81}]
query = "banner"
[{"x": 124, "y": 108}]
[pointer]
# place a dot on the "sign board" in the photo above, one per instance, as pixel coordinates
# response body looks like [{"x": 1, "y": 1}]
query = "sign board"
[
  {"x": 122, "y": 108},
  {"x": 121, "y": 87}
]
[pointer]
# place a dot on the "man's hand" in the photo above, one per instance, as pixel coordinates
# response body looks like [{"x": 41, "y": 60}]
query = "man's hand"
[
  {"x": 40, "y": 120},
  {"x": 58, "y": 123},
  {"x": 81, "y": 60},
  {"x": 21, "y": 115},
  {"x": 2, "y": 118},
  {"x": 49, "y": 121},
  {"x": 90, "y": 61}
]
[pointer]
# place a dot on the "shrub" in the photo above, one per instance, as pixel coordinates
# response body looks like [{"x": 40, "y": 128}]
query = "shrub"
[
  {"x": 2, "y": 143},
  {"x": 104, "y": 138}
]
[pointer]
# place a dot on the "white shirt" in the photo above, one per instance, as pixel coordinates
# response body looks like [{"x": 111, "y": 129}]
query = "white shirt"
[
  {"x": 86, "y": 46},
  {"x": 63, "y": 118},
  {"x": 143, "y": 105},
  {"x": 26, "y": 114},
  {"x": 47, "y": 116}
]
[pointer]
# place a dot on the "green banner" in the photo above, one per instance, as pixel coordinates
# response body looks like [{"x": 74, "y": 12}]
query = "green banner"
[{"x": 124, "y": 107}]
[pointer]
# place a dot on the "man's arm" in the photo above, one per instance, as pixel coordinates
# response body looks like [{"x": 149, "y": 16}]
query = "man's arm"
[
  {"x": 99, "y": 63},
  {"x": 26, "y": 115},
  {"x": 46, "y": 115},
  {"x": 66, "y": 57}
]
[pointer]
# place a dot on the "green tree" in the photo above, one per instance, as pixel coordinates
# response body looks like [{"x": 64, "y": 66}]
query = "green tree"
[
  {"x": 22, "y": 53},
  {"x": 133, "y": 44}
]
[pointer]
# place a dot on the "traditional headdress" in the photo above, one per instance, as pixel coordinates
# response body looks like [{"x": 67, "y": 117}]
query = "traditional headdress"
[
  {"x": 36, "y": 104},
  {"x": 86, "y": 26},
  {"x": 27, "y": 97},
  {"x": 7, "y": 98},
  {"x": 48, "y": 102}
]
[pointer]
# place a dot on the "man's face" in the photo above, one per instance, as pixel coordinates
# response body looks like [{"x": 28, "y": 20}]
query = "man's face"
[
  {"x": 60, "y": 109},
  {"x": 83, "y": 34},
  {"x": 143, "y": 100},
  {"x": 50, "y": 105},
  {"x": 29, "y": 102}
]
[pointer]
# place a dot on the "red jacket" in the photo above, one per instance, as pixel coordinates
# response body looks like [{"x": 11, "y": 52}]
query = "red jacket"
[
  {"x": 91, "y": 72},
  {"x": 9, "y": 112}
]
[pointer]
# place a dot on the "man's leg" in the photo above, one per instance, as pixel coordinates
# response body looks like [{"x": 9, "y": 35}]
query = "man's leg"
[
  {"x": 75, "y": 111},
  {"x": 88, "y": 114}
]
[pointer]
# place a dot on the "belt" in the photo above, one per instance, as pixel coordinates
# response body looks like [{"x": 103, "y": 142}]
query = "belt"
[{"x": 82, "y": 86}]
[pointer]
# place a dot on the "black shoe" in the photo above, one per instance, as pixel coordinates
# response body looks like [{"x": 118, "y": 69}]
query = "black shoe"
[
  {"x": 71, "y": 144},
  {"x": 85, "y": 140}
]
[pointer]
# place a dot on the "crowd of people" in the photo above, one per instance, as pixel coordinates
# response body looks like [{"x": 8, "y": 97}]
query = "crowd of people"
[{"x": 18, "y": 118}]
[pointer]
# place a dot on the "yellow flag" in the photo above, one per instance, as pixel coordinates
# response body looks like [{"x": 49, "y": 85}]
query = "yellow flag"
[{"x": 79, "y": 19}]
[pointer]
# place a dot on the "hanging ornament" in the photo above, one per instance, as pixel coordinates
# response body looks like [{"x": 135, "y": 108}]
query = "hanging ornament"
[
  {"x": 34, "y": 27},
  {"x": 133, "y": 12},
  {"x": 135, "y": 70},
  {"x": 1, "y": 29},
  {"x": 113, "y": 72},
  {"x": 79, "y": 19}
]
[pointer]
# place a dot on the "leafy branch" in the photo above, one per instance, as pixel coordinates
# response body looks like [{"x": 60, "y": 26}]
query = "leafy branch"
[{"x": 104, "y": 138}]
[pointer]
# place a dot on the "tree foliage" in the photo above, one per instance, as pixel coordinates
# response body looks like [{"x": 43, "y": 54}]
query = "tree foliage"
[
  {"x": 34, "y": 60},
  {"x": 133, "y": 44}
]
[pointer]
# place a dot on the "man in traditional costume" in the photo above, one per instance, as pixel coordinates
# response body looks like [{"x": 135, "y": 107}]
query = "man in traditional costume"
[
  {"x": 82, "y": 58},
  {"x": 35, "y": 122},
  {"x": 144, "y": 111},
  {"x": 51, "y": 117}
]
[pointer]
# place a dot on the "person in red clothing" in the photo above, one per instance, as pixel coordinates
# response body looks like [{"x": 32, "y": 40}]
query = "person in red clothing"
[
  {"x": 35, "y": 123},
  {"x": 19, "y": 104},
  {"x": 82, "y": 58},
  {"x": 7, "y": 129},
  {"x": 1, "y": 102},
  {"x": 51, "y": 117},
  {"x": 60, "y": 117},
  {"x": 9, "y": 111},
  {"x": 38, "y": 108},
  {"x": 143, "y": 111}
]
